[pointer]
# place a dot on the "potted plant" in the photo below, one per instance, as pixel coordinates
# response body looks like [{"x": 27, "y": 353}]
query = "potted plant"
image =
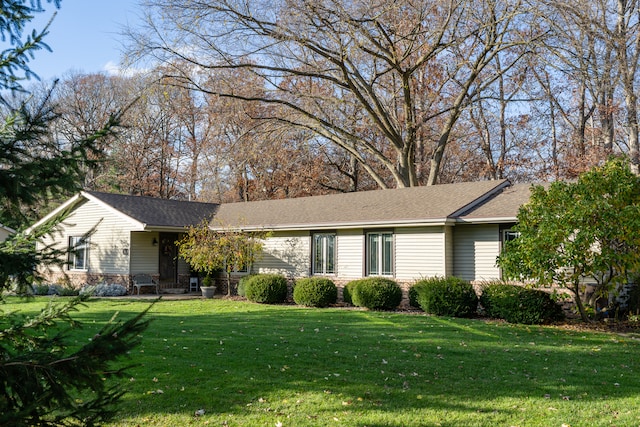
[{"x": 208, "y": 286}]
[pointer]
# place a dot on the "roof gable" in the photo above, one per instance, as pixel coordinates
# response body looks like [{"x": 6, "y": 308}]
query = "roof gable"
[{"x": 503, "y": 206}]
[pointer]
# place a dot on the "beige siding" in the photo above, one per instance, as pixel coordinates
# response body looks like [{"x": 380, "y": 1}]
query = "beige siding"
[
  {"x": 287, "y": 253},
  {"x": 419, "y": 252},
  {"x": 146, "y": 255},
  {"x": 4, "y": 234},
  {"x": 350, "y": 253},
  {"x": 110, "y": 242},
  {"x": 448, "y": 241},
  {"x": 476, "y": 248}
]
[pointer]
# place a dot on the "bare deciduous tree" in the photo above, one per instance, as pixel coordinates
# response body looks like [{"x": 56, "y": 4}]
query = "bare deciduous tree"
[{"x": 368, "y": 76}]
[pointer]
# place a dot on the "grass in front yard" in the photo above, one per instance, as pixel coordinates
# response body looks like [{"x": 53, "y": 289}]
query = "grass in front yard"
[{"x": 254, "y": 365}]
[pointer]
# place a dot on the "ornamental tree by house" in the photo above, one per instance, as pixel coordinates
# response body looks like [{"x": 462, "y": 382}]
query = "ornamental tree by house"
[
  {"x": 223, "y": 247},
  {"x": 576, "y": 230}
]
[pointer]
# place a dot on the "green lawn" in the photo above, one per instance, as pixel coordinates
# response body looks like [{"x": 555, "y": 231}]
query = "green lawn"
[{"x": 254, "y": 365}]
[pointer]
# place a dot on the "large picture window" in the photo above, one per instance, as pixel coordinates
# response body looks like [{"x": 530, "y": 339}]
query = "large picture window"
[
  {"x": 78, "y": 253},
  {"x": 380, "y": 254},
  {"x": 324, "y": 253}
]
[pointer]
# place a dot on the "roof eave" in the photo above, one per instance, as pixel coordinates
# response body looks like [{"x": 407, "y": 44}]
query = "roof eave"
[
  {"x": 166, "y": 228},
  {"x": 488, "y": 220},
  {"x": 348, "y": 225},
  {"x": 69, "y": 204},
  {"x": 488, "y": 194},
  {"x": 137, "y": 225}
]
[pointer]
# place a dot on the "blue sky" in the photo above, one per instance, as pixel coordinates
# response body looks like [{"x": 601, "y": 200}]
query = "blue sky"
[{"x": 84, "y": 36}]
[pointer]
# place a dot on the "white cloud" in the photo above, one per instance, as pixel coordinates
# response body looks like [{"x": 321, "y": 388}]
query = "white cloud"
[{"x": 114, "y": 69}]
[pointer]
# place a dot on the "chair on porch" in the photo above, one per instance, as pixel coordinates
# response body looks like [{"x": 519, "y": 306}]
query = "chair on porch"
[{"x": 140, "y": 280}]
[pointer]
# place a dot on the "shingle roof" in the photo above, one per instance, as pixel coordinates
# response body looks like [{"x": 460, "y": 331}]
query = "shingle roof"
[
  {"x": 401, "y": 206},
  {"x": 156, "y": 212},
  {"x": 503, "y": 205}
]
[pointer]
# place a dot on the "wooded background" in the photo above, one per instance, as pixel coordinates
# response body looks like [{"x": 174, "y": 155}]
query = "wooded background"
[{"x": 254, "y": 99}]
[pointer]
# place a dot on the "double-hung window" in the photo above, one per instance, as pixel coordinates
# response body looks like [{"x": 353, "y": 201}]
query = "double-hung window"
[
  {"x": 380, "y": 254},
  {"x": 324, "y": 253},
  {"x": 78, "y": 253}
]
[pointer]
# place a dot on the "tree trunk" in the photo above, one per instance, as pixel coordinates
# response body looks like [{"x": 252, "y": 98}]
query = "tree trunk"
[{"x": 581, "y": 309}]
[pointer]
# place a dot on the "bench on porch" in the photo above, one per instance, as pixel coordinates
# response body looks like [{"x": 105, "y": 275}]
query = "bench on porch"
[{"x": 140, "y": 280}]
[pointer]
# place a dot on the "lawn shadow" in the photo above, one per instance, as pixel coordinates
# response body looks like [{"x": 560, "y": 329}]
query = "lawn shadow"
[{"x": 265, "y": 358}]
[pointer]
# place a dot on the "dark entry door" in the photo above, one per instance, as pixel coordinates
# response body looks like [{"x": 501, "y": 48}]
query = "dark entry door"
[{"x": 168, "y": 262}]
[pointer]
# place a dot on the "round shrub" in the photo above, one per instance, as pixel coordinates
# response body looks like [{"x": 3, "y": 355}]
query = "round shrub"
[
  {"x": 413, "y": 295},
  {"x": 315, "y": 292},
  {"x": 449, "y": 296},
  {"x": 242, "y": 286},
  {"x": 517, "y": 304},
  {"x": 376, "y": 293},
  {"x": 266, "y": 288},
  {"x": 347, "y": 291}
]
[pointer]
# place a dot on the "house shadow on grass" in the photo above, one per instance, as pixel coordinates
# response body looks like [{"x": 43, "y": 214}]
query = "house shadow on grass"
[{"x": 311, "y": 366}]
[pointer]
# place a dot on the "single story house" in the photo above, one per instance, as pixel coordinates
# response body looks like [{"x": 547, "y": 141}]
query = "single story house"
[{"x": 405, "y": 234}]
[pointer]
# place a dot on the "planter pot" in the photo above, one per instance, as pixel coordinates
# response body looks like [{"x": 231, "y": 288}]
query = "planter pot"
[{"x": 208, "y": 291}]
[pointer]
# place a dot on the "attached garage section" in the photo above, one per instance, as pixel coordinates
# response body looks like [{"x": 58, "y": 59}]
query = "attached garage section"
[{"x": 475, "y": 249}]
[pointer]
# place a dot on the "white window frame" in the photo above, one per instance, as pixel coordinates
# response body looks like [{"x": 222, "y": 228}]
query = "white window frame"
[
  {"x": 245, "y": 270},
  {"x": 324, "y": 268},
  {"x": 79, "y": 245},
  {"x": 380, "y": 254},
  {"x": 508, "y": 235}
]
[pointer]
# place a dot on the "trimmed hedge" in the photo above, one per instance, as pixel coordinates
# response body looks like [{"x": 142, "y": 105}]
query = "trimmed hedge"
[
  {"x": 242, "y": 285},
  {"x": 375, "y": 293},
  {"x": 347, "y": 291},
  {"x": 266, "y": 288},
  {"x": 315, "y": 292},
  {"x": 517, "y": 304},
  {"x": 413, "y": 297},
  {"x": 449, "y": 296}
]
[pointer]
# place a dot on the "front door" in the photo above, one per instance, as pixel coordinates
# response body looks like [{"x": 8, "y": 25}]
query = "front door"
[{"x": 168, "y": 262}]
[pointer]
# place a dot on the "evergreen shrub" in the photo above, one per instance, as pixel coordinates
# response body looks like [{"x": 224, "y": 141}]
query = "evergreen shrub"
[
  {"x": 315, "y": 292},
  {"x": 449, "y": 296},
  {"x": 266, "y": 288},
  {"x": 375, "y": 293},
  {"x": 242, "y": 285},
  {"x": 413, "y": 296},
  {"x": 347, "y": 291},
  {"x": 517, "y": 304}
]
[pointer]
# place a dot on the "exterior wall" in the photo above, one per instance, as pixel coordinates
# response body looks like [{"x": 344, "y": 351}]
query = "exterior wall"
[
  {"x": 146, "y": 255},
  {"x": 419, "y": 252},
  {"x": 448, "y": 248},
  {"x": 475, "y": 249},
  {"x": 4, "y": 234},
  {"x": 110, "y": 244},
  {"x": 350, "y": 254},
  {"x": 78, "y": 279},
  {"x": 287, "y": 253}
]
